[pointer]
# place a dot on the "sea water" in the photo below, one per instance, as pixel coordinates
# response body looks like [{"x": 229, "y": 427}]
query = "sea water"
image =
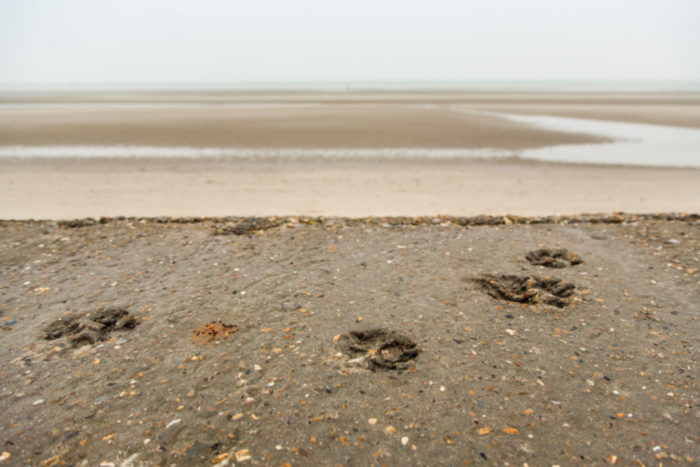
[{"x": 634, "y": 143}]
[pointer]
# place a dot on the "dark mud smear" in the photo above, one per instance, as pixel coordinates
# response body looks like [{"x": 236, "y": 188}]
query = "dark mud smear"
[{"x": 243, "y": 225}]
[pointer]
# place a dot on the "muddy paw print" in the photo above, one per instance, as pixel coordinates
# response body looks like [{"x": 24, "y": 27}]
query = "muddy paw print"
[
  {"x": 528, "y": 289},
  {"x": 553, "y": 258},
  {"x": 87, "y": 328},
  {"x": 378, "y": 349}
]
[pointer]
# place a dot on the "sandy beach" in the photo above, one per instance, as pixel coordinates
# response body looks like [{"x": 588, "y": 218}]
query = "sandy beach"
[
  {"x": 66, "y": 189},
  {"x": 339, "y": 234},
  {"x": 76, "y": 187},
  {"x": 323, "y": 310},
  {"x": 298, "y": 341}
]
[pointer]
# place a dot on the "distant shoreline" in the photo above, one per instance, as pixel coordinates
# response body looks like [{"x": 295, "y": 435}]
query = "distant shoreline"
[
  {"x": 584, "y": 86},
  {"x": 67, "y": 187}
]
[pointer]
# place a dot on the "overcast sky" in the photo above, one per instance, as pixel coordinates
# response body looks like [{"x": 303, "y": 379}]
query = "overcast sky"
[{"x": 171, "y": 42}]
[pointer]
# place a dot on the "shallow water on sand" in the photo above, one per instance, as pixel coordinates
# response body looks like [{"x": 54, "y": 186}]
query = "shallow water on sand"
[
  {"x": 248, "y": 153},
  {"x": 634, "y": 144}
]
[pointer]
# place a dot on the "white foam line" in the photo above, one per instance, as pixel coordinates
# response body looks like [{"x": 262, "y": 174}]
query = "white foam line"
[
  {"x": 147, "y": 105},
  {"x": 247, "y": 153}
]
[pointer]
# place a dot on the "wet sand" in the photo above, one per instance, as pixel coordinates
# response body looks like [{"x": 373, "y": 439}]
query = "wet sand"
[
  {"x": 316, "y": 120},
  {"x": 68, "y": 188},
  {"x": 638, "y": 106},
  {"x": 273, "y": 125},
  {"x": 103, "y": 356}
]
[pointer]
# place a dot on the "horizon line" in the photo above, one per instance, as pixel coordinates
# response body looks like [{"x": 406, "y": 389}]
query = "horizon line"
[{"x": 363, "y": 85}]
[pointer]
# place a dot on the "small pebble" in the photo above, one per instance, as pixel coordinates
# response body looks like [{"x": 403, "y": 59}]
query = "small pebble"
[
  {"x": 38, "y": 402},
  {"x": 10, "y": 322},
  {"x": 404, "y": 440},
  {"x": 372, "y": 421},
  {"x": 243, "y": 455},
  {"x": 174, "y": 422}
]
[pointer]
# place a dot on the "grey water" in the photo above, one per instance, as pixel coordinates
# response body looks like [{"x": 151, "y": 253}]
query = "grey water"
[{"x": 635, "y": 143}]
